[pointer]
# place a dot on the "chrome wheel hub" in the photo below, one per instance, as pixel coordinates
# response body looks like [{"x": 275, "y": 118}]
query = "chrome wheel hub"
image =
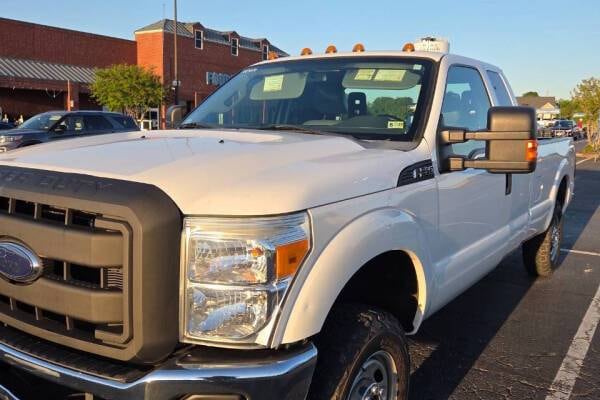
[{"x": 377, "y": 379}]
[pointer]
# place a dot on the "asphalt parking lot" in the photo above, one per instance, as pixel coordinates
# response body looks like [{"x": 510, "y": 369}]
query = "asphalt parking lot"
[{"x": 512, "y": 337}]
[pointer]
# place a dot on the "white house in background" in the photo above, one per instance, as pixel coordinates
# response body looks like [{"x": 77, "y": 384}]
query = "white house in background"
[{"x": 546, "y": 108}]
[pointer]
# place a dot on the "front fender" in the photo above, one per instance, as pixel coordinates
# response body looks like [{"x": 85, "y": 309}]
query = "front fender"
[{"x": 319, "y": 283}]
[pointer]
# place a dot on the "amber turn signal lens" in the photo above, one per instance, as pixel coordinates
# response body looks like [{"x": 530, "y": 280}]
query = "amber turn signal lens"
[
  {"x": 408, "y": 47},
  {"x": 532, "y": 150},
  {"x": 331, "y": 49},
  {"x": 358, "y": 48},
  {"x": 306, "y": 52},
  {"x": 289, "y": 257}
]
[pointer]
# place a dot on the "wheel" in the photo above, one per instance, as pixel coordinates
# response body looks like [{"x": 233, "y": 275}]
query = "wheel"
[
  {"x": 540, "y": 254},
  {"x": 363, "y": 355}
]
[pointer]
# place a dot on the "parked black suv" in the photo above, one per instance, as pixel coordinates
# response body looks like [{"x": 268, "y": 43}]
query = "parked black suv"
[{"x": 55, "y": 125}]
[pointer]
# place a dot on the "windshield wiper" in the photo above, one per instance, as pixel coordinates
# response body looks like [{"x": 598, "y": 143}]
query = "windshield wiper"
[
  {"x": 290, "y": 127},
  {"x": 194, "y": 125}
]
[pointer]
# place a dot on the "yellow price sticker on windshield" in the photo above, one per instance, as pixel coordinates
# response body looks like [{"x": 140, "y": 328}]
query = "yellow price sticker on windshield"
[
  {"x": 395, "y": 124},
  {"x": 364, "y": 74},
  {"x": 390, "y": 75},
  {"x": 273, "y": 83}
]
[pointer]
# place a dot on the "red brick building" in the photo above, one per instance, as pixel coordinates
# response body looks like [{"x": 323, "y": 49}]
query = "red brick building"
[{"x": 47, "y": 68}]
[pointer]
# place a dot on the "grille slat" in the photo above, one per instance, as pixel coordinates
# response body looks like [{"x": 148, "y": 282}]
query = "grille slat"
[{"x": 26, "y": 216}]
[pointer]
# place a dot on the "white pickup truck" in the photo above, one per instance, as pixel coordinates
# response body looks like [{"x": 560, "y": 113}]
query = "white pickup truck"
[{"x": 282, "y": 241}]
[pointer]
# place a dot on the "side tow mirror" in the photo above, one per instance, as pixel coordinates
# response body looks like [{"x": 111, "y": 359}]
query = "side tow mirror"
[
  {"x": 511, "y": 144},
  {"x": 175, "y": 114}
]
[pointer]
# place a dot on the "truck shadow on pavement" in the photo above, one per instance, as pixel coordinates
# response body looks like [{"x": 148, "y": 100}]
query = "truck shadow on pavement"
[{"x": 449, "y": 343}]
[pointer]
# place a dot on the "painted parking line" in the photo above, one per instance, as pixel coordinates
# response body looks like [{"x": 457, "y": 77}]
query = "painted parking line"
[
  {"x": 586, "y": 253},
  {"x": 582, "y": 161},
  {"x": 563, "y": 383}
]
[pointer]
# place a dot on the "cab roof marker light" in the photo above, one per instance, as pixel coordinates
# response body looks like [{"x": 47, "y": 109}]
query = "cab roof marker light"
[
  {"x": 331, "y": 49},
  {"x": 358, "y": 48},
  {"x": 273, "y": 55},
  {"x": 306, "y": 52},
  {"x": 408, "y": 48}
]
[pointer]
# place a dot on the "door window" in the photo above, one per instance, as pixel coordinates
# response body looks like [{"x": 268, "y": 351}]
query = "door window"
[
  {"x": 71, "y": 124},
  {"x": 502, "y": 95},
  {"x": 466, "y": 104},
  {"x": 97, "y": 123}
]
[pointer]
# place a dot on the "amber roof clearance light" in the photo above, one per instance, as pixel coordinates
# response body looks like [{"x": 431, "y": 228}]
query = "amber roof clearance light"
[
  {"x": 358, "y": 48},
  {"x": 408, "y": 47},
  {"x": 306, "y": 52},
  {"x": 330, "y": 49}
]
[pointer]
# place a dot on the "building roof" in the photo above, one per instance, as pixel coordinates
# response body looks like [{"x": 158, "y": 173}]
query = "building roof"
[
  {"x": 19, "y": 68},
  {"x": 211, "y": 35},
  {"x": 537, "y": 102}
]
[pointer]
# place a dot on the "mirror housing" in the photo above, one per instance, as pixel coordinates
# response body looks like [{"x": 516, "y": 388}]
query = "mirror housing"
[
  {"x": 511, "y": 144},
  {"x": 175, "y": 114}
]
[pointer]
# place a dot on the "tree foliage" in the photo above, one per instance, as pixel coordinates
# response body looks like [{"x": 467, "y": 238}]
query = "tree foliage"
[
  {"x": 531, "y": 94},
  {"x": 127, "y": 88},
  {"x": 587, "y": 96},
  {"x": 398, "y": 107},
  {"x": 568, "y": 107}
]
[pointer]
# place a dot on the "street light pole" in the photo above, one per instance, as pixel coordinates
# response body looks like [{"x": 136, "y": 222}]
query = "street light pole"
[{"x": 176, "y": 75}]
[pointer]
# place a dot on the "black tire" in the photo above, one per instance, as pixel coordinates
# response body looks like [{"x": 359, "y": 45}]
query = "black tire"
[
  {"x": 352, "y": 337},
  {"x": 541, "y": 253}
]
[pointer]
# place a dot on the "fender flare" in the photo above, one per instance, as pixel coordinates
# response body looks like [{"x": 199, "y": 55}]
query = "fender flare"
[
  {"x": 318, "y": 284},
  {"x": 561, "y": 172}
]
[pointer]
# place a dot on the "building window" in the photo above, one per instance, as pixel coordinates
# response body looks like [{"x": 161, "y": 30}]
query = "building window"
[
  {"x": 265, "y": 52},
  {"x": 198, "y": 39},
  {"x": 234, "y": 46}
]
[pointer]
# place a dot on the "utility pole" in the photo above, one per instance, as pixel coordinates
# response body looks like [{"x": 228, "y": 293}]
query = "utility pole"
[{"x": 176, "y": 75}]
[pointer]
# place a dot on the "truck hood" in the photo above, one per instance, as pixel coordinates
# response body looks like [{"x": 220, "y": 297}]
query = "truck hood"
[{"x": 227, "y": 172}]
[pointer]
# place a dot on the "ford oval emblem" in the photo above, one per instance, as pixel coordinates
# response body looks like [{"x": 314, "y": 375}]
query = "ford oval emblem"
[{"x": 19, "y": 263}]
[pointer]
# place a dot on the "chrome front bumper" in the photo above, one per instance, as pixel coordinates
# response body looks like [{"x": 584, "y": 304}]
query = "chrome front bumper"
[{"x": 265, "y": 374}]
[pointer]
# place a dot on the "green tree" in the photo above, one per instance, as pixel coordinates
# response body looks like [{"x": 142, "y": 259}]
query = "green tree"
[
  {"x": 587, "y": 96},
  {"x": 568, "y": 107},
  {"x": 531, "y": 94},
  {"x": 127, "y": 88},
  {"x": 398, "y": 107}
]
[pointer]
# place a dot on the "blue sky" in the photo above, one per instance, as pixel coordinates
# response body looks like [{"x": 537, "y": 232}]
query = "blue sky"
[{"x": 547, "y": 46}]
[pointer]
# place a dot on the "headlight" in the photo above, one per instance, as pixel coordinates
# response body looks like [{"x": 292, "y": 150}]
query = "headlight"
[
  {"x": 8, "y": 139},
  {"x": 235, "y": 272}
]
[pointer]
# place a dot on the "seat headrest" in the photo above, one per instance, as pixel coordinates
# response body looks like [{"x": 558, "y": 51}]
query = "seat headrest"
[{"x": 452, "y": 102}]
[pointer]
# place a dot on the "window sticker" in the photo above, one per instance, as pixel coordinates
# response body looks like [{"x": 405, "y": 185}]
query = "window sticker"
[
  {"x": 395, "y": 124},
  {"x": 390, "y": 75},
  {"x": 364, "y": 74},
  {"x": 273, "y": 83}
]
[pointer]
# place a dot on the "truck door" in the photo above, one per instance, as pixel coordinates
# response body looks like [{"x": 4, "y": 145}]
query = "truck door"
[
  {"x": 518, "y": 184},
  {"x": 473, "y": 205}
]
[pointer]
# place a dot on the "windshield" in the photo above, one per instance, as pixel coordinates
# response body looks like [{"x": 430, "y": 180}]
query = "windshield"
[
  {"x": 42, "y": 121},
  {"x": 370, "y": 98}
]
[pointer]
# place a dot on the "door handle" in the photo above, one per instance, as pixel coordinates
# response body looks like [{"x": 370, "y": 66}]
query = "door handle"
[{"x": 508, "y": 187}]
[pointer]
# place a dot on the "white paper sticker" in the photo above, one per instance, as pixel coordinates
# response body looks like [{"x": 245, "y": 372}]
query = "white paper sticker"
[
  {"x": 395, "y": 124},
  {"x": 273, "y": 83},
  {"x": 364, "y": 74},
  {"x": 390, "y": 75}
]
